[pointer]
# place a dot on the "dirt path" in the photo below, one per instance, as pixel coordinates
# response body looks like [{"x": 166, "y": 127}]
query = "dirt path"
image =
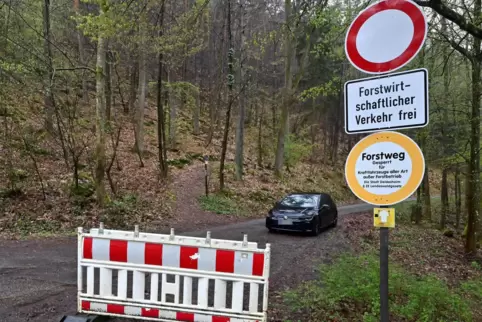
[{"x": 187, "y": 188}]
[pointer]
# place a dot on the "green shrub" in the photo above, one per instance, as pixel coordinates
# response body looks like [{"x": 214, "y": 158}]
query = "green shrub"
[
  {"x": 85, "y": 187},
  {"x": 220, "y": 204},
  {"x": 18, "y": 174},
  {"x": 473, "y": 289},
  {"x": 25, "y": 225},
  {"x": 121, "y": 212},
  {"x": 179, "y": 163},
  {"x": 261, "y": 196},
  {"x": 11, "y": 193},
  {"x": 354, "y": 282},
  {"x": 194, "y": 156},
  {"x": 295, "y": 151},
  {"x": 430, "y": 299}
]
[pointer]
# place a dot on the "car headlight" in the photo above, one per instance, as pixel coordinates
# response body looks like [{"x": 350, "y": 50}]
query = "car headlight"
[{"x": 308, "y": 215}]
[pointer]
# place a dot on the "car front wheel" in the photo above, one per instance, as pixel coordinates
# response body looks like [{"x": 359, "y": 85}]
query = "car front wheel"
[
  {"x": 315, "y": 227},
  {"x": 335, "y": 222}
]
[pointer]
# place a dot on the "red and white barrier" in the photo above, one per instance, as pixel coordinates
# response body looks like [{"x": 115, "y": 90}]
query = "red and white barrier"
[{"x": 171, "y": 278}]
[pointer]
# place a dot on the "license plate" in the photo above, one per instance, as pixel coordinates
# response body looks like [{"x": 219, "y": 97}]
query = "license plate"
[{"x": 285, "y": 222}]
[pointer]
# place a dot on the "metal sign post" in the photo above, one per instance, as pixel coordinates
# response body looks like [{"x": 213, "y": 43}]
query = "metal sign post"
[
  {"x": 384, "y": 234},
  {"x": 384, "y": 219}
]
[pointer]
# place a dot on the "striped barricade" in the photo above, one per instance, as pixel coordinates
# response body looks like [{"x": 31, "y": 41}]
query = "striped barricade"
[{"x": 171, "y": 278}]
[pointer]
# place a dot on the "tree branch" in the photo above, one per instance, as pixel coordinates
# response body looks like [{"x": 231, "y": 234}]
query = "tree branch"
[
  {"x": 75, "y": 68},
  {"x": 458, "y": 47},
  {"x": 451, "y": 15}
]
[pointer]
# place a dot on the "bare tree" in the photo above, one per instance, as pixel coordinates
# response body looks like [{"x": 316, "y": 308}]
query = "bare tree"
[
  {"x": 100, "y": 119},
  {"x": 48, "y": 96},
  {"x": 230, "y": 96}
]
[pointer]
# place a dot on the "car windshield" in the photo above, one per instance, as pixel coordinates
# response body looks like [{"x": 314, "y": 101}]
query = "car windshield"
[{"x": 300, "y": 201}]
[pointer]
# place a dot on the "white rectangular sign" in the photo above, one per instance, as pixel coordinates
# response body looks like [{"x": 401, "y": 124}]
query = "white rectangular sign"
[{"x": 393, "y": 101}]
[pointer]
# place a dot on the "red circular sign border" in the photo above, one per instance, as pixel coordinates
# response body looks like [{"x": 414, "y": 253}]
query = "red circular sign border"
[{"x": 419, "y": 23}]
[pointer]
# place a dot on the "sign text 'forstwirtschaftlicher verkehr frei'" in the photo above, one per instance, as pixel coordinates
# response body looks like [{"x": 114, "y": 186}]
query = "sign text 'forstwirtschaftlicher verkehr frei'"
[{"x": 394, "y": 101}]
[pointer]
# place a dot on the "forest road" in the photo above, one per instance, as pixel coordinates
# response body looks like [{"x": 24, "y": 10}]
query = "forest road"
[{"x": 38, "y": 277}]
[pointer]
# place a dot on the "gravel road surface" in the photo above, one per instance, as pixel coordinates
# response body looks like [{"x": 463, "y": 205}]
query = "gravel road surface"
[{"x": 38, "y": 277}]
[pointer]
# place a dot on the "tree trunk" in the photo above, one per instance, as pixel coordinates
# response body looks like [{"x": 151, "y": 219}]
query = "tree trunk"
[
  {"x": 8, "y": 157},
  {"x": 161, "y": 133},
  {"x": 273, "y": 94},
  {"x": 108, "y": 85},
  {"x": 418, "y": 207},
  {"x": 134, "y": 77},
  {"x": 212, "y": 118},
  {"x": 230, "y": 97},
  {"x": 427, "y": 207},
  {"x": 100, "y": 120},
  {"x": 444, "y": 196},
  {"x": 445, "y": 118},
  {"x": 197, "y": 112},
  {"x": 214, "y": 109},
  {"x": 80, "y": 41},
  {"x": 197, "y": 104},
  {"x": 458, "y": 199},
  {"x": 172, "y": 116},
  {"x": 473, "y": 171},
  {"x": 239, "y": 158},
  {"x": 284, "y": 121},
  {"x": 260, "y": 136},
  {"x": 326, "y": 148},
  {"x": 139, "y": 119},
  {"x": 48, "y": 78}
]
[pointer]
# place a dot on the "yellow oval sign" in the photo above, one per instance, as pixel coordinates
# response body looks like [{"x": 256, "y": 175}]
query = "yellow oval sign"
[{"x": 385, "y": 168}]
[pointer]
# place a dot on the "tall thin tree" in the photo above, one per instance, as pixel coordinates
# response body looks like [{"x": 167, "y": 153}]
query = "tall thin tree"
[
  {"x": 230, "y": 96},
  {"x": 161, "y": 132},
  {"x": 48, "y": 78},
  {"x": 100, "y": 117}
]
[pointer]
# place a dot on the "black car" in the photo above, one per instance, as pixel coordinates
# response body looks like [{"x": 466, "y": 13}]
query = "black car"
[{"x": 307, "y": 212}]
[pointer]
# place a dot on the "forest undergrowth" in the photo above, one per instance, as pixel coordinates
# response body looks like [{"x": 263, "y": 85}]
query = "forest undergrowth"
[{"x": 45, "y": 200}]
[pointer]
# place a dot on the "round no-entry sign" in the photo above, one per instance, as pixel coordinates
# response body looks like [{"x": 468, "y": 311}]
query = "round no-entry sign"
[
  {"x": 386, "y": 36},
  {"x": 385, "y": 168}
]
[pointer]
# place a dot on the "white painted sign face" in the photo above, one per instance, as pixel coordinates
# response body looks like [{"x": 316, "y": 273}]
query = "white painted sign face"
[
  {"x": 384, "y": 168},
  {"x": 395, "y": 101},
  {"x": 386, "y": 36}
]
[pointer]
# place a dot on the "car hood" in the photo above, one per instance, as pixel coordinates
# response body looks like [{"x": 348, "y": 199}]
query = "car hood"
[{"x": 290, "y": 212}]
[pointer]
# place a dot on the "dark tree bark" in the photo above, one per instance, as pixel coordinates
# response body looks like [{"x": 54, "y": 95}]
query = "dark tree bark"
[
  {"x": 239, "y": 156},
  {"x": 473, "y": 175},
  {"x": 80, "y": 41},
  {"x": 418, "y": 208},
  {"x": 427, "y": 204},
  {"x": 260, "y": 136},
  {"x": 48, "y": 78},
  {"x": 134, "y": 78},
  {"x": 444, "y": 196},
  {"x": 458, "y": 199},
  {"x": 230, "y": 97},
  {"x": 161, "y": 125},
  {"x": 100, "y": 121},
  {"x": 283, "y": 130},
  {"x": 108, "y": 85},
  {"x": 197, "y": 104}
]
